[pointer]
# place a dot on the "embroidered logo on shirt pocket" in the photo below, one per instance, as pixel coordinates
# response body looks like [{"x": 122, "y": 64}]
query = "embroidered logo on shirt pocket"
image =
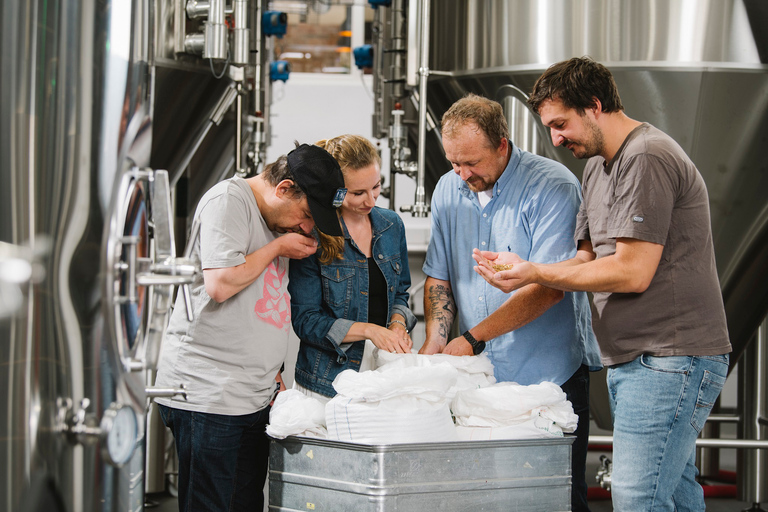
[{"x": 710, "y": 388}]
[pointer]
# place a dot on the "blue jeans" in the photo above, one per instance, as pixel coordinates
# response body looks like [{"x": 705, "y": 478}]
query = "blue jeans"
[
  {"x": 222, "y": 459},
  {"x": 577, "y": 391},
  {"x": 659, "y": 406}
]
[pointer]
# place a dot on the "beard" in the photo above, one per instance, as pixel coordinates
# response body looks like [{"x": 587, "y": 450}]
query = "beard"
[
  {"x": 477, "y": 184},
  {"x": 593, "y": 146}
]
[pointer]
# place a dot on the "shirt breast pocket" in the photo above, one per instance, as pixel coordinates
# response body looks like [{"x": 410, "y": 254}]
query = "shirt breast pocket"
[{"x": 337, "y": 285}]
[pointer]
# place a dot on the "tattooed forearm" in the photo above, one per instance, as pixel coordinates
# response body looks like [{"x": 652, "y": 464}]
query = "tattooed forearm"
[{"x": 439, "y": 310}]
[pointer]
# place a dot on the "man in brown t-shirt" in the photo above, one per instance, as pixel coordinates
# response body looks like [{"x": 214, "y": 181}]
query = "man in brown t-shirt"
[{"x": 645, "y": 250}]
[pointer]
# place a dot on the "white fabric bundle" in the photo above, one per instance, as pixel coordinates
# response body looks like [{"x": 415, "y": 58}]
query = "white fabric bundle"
[
  {"x": 473, "y": 371},
  {"x": 399, "y": 405},
  {"x": 508, "y": 410},
  {"x": 296, "y": 414}
]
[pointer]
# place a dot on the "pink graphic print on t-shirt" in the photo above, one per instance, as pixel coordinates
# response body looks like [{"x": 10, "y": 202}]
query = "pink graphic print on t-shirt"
[{"x": 274, "y": 307}]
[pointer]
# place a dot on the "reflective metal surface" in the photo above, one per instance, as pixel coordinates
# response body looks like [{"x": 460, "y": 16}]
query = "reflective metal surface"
[
  {"x": 696, "y": 70},
  {"x": 495, "y": 33},
  {"x": 753, "y": 464},
  {"x": 75, "y": 113}
]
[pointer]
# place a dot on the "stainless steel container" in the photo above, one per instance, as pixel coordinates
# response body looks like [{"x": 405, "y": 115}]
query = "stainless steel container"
[{"x": 319, "y": 474}]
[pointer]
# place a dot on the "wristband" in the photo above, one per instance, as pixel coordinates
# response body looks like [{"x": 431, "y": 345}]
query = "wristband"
[
  {"x": 477, "y": 346},
  {"x": 398, "y": 322}
]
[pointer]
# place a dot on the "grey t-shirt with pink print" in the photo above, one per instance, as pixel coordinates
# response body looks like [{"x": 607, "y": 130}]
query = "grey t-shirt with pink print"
[{"x": 229, "y": 354}]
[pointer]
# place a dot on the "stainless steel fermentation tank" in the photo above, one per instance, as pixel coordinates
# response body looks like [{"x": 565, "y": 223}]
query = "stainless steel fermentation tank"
[
  {"x": 696, "y": 69},
  {"x": 97, "y": 100}
]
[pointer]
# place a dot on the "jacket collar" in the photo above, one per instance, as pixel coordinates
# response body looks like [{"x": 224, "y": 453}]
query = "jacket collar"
[{"x": 379, "y": 223}]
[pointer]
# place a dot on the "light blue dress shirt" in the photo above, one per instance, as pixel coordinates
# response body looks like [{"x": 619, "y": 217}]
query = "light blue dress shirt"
[{"x": 533, "y": 214}]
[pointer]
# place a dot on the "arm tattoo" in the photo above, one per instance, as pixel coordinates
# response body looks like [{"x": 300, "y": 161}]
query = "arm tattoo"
[{"x": 440, "y": 310}]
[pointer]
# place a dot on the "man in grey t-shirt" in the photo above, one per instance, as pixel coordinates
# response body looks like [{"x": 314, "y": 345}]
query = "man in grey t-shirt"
[
  {"x": 229, "y": 356},
  {"x": 645, "y": 250}
]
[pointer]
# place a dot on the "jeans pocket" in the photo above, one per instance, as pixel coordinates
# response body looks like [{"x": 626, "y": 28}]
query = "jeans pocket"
[
  {"x": 667, "y": 364},
  {"x": 710, "y": 388}
]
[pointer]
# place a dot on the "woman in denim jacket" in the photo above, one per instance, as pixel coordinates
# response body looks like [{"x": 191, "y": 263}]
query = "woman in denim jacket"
[{"x": 356, "y": 286}]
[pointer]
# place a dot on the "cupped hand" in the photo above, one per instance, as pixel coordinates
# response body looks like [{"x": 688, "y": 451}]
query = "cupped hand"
[
  {"x": 297, "y": 246},
  {"x": 504, "y": 270}
]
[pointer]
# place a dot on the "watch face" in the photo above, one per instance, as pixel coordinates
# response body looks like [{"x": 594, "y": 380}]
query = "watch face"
[{"x": 120, "y": 431}]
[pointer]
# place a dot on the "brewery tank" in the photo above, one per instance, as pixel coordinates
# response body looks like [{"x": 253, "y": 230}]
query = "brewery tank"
[
  {"x": 696, "y": 70},
  {"x": 76, "y": 123}
]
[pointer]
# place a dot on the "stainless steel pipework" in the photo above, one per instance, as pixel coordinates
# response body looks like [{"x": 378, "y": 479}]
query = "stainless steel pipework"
[
  {"x": 753, "y": 465},
  {"x": 259, "y": 105},
  {"x": 240, "y": 33},
  {"x": 197, "y": 9},
  {"x": 215, "y": 117},
  {"x": 420, "y": 208},
  {"x": 215, "y": 32}
]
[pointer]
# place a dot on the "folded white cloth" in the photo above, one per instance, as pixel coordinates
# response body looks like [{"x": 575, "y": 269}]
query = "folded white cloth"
[
  {"x": 542, "y": 407},
  {"x": 296, "y": 414}
]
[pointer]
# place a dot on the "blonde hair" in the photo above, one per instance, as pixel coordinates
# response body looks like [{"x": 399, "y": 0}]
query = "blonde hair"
[{"x": 353, "y": 153}]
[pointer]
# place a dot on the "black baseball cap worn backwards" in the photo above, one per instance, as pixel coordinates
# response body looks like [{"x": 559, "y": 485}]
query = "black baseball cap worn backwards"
[{"x": 318, "y": 174}]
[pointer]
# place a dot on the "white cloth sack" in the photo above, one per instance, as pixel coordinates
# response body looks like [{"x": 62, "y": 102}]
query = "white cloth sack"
[
  {"x": 401, "y": 405},
  {"x": 296, "y": 414},
  {"x": 513, "y": 411},
  {"x": 473, "y": 371}
]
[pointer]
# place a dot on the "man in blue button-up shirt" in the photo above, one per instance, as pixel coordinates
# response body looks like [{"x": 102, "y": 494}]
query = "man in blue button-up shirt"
[{"x": 500, "y": 198}]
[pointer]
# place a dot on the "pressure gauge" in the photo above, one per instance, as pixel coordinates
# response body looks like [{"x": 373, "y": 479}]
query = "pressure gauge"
[{"x": 119, "y": 434}]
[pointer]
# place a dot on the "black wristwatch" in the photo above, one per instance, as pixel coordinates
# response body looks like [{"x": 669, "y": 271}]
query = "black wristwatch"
[{"x": 477, "y": 346}]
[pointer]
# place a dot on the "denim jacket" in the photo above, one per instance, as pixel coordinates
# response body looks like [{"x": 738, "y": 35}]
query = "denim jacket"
[{"x": 327, "y": 299}]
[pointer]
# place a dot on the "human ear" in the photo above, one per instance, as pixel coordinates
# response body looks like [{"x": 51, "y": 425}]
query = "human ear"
[
  {"x": 597, "y": 107},
  {"x": 284, "y": 188}
]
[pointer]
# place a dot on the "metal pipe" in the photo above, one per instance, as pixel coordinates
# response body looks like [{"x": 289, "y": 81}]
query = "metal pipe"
[
  {"x": 215, "y": 32},
  {"x": 379, "y": 114},
  {"x": 758, "y": 444},
  {"x": 239, "y": 130},
  {"x": 420, "y": 208},
  {"x": 257, "y": 141},
  {"x": 194, "y": 44},
  {"x": 399, "y": 46},
  {"x": 753, "y": 401},
  {"x": 724, "y": 418},
  {"x": 197, "y": 9},
  {"x": 153, "y": 392},
  {"x": 217, "y": 113},
  {"x": 240, "y": 34}
]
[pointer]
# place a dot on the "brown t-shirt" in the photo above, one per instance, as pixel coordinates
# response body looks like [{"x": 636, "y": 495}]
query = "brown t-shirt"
[{"x": 651, "y": 191}]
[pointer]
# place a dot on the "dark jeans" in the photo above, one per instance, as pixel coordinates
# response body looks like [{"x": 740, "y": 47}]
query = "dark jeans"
[
  {"x": 577, "y": 390},
  {"x": 222, "y": 459}
]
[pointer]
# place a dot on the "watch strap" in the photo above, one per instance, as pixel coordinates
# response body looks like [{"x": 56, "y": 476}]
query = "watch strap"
[{"x": 477, "y": 346}]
